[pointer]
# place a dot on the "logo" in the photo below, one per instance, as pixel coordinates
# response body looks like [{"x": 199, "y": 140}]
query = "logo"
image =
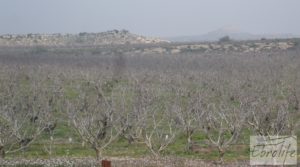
[{"x": 273, "y": 150}]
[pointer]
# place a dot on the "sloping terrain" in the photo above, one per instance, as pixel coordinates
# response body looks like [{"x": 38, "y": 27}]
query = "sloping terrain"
[
  {"x": 103, "y": 38},
  {"x": 232, "y": 32},
  {"x": 200, "y": 47}
]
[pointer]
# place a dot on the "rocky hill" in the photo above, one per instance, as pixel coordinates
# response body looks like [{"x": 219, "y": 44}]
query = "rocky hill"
[
  {"x": 253, "y": 46},
  {"x": 103, "y": 38}
]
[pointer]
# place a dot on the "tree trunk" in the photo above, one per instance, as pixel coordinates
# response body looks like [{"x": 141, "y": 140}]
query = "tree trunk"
[
  {"x": 189, "y": 144},
  {"x": 2, "y": 152},
  {"x": 221, "y": 154},
  {"x": 189, "y": 134},
  {"x": 98, "y": 153},
  {"x": 130, "y": 140}
]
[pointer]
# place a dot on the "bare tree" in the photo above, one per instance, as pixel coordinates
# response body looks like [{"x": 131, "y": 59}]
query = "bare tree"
[
  {"x": 270, "y": 118},
  {"x": 5, "y": 135},
  {"x": 222, "y": 125},
  {"x": 187, "y": 112},
  {"x": 160, "y": 129},
  {"x": 92, "y": 117},
  {"x": 24, "y": 115},
  {"x": 133, "y": 114}
]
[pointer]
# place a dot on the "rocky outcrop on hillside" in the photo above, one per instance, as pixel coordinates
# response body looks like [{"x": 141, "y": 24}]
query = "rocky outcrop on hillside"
[{"x": 82, "y": 39}]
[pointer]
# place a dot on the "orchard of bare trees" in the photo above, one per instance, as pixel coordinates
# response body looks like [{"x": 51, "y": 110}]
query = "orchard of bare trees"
[{"x": 207, "y": 102}]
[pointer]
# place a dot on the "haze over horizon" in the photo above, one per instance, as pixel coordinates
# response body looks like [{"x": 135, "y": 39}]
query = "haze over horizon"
[{"x": 150, "y": 17}]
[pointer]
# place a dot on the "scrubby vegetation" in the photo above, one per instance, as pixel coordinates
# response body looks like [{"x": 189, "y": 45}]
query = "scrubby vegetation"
[{"x": 116, "y": 101}]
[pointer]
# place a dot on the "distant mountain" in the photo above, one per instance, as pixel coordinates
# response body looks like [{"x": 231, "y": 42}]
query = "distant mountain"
[
  {"x": 102, "y": 38},
  {"x": 232, "y": 32}
]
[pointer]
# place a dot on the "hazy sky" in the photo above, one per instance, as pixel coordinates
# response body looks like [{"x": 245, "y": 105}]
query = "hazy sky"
[{"x": 149, "y": 17}]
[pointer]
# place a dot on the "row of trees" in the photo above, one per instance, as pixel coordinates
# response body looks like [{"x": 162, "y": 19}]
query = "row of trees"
[
  {"x": 152, "y": 99},
  {"x": 102, "y": 110}
]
